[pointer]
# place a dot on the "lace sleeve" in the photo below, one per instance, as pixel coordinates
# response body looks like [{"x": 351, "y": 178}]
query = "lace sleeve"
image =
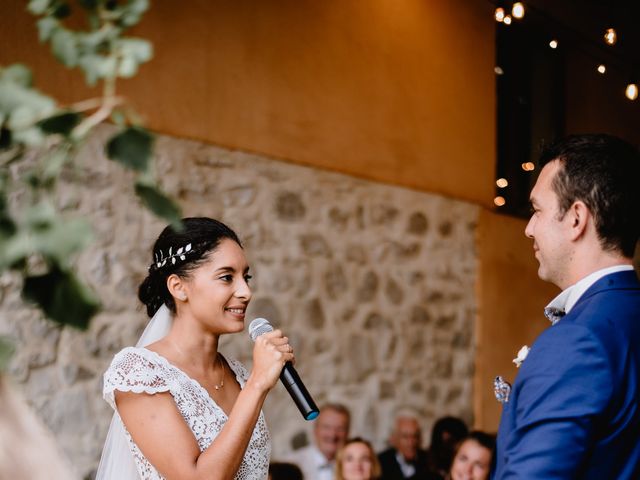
[{"x": 135, "y": 370}]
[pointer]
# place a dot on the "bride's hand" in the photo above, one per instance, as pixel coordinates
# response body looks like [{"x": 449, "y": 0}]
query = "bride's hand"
[{"x": 270, "y": 352}]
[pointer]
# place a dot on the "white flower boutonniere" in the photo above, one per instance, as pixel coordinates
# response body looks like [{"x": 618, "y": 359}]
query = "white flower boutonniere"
[{"x": 522, "y": 354}]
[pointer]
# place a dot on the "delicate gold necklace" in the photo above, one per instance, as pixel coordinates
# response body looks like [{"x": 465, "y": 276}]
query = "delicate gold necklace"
[{"x": 218, "y": 387}]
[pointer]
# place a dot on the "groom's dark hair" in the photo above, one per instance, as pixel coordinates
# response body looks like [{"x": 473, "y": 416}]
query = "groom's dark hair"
[{"x": 602, "y": 171}]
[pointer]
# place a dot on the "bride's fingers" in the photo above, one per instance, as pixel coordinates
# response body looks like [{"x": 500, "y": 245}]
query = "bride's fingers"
[{"x": 280, "y": 341}]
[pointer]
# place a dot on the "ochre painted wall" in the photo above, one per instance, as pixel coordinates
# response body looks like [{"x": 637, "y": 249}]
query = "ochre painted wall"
[
  {"x": 511, "y": 299},
  {"x": 396, "y": 91}
]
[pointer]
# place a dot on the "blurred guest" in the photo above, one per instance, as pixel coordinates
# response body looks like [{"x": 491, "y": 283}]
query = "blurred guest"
[
  {"x": 472, "y": 460},
  {"x": 284, "y": 471},
  {"x": 405, "y": 459},
  {"x": 357, "y": 460},
  {"x": 445, "y": 436},
  {"x": 330, "y": 431}
]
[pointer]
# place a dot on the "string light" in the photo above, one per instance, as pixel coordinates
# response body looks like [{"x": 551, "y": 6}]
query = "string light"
[
  {"x": 517, "y": 10},
  {"x": 610, "y": 36},
  {"x": 528, "y": 166}
]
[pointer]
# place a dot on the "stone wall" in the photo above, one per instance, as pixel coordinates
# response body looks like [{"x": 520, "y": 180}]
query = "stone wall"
[{"x": 374, "y": 284}]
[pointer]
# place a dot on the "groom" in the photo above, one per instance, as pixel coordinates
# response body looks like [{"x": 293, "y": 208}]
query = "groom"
[{"x": 574, "y": 410}]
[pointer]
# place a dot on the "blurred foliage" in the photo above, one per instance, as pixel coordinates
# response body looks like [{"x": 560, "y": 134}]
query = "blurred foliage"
[{"x": 39, "y": 140}]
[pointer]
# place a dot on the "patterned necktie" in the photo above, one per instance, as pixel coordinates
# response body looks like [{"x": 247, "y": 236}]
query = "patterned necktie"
[{"x": 554, "y": 314}]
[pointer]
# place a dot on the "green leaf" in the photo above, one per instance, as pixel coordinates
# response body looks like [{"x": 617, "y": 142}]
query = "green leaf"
[
  {"x": 97, "y": 66},
  {"x": 62, "y": 10},
  {"x": 92, "y": 41},
  {"x": 55, "y": 161},
  {"x": 38, "y": 7},
  {"x": 46, "y": 27},
  {"x": 62, "y": 297},
  {"x": 15, "y": 97},
  {"x": 6, "y": 352},
  {"x": 131, "y": 147},
  {"x": 62, "y": 124},
  {"x": 127, "y": 67},
  {"x": 89, "y": 4},
  {"x": 161, "y": 205},
  {"x": 132, "y": 12},
  {"x": 133, "y": 52},
  {"x": 31, "y": 137},
  {"x": 43, "y": 232},
  {"x": 141, "y": 50},
  {"x": 65, "y": 47},
  {"x": 18, "y": 74},
  {"x": 5, "y": 138},
  {"x": 7, "y": 225}
]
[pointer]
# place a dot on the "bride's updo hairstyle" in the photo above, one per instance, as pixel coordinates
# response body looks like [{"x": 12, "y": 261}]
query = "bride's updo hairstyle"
[{"x": 180, "y": 252}]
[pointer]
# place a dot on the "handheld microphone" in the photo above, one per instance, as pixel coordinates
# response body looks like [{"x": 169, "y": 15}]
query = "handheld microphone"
[{"x": 289, "y": 377}]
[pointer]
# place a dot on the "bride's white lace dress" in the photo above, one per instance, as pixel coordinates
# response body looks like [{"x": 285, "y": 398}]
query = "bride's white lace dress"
[{"x": 140, "y": 370}]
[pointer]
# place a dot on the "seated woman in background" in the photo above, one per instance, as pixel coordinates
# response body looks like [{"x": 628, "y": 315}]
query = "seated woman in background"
[
  {"x": 472, "y": 460},
  {"x": 357, "y": 460}
]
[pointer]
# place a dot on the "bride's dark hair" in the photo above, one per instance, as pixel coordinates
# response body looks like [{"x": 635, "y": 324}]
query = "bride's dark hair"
[{"x": 180, "y": 252}]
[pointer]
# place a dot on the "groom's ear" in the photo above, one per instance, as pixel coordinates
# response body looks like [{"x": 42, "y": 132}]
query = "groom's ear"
[{"x": 580, "y": 217}]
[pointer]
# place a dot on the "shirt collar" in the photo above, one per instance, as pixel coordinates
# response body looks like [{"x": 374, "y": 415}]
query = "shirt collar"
[
  {"x": 570, "y": 295},
  {"x": 319, "y": 460},
  {"x": 408, "y": 469}
]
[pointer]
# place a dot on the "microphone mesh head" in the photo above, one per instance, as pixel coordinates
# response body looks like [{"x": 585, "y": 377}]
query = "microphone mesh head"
[{"x": 259, "y": 326}]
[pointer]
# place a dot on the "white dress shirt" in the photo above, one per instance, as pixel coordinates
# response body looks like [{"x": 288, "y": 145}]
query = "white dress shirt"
[
  {"x": 408, "y": 469},
  {"x": 570, "y": 295},
  {"x": 312, "y": 462}
]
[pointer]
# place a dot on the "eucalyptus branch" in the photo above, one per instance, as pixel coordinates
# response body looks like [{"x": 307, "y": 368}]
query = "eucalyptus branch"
[
  {"x": 93, "y": 103},
  {"x": 106, "y": 109},
  {"x": 45, "y": 136}
]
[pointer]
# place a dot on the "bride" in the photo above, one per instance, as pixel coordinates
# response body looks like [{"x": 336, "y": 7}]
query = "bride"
[{"x": 181, "y": 409}]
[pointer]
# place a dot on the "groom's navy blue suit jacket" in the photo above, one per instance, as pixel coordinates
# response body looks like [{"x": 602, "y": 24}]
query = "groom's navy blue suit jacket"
[{"x": 574, "y": 410}]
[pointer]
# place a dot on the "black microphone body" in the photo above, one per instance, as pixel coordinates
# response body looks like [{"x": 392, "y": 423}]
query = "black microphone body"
[
  {"x": 288, "y": 376},
  {"x": 299, "y": 393}
]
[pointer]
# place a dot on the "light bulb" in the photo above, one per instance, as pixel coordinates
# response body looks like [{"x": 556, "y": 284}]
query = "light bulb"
[
  {"x": 610, "y": 36},
  {"x": 502, "y": 182},
  {"x": 602, "y": 68},
  {"x": 498, "y": 70},
  {"x": 631, "y": 91},
  {"x": 499, "y": 14},
  {"x": 553, "y": 44},
  {"x": 507, "y": 20},
  {"x": 528, "y": 166},
  {"x": 517, "y": 10},
  {"x": 499, "y": 201}
]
